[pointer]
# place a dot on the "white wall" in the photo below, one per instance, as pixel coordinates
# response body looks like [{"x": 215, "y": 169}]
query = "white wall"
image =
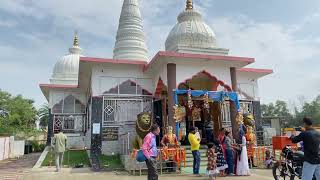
[
  {"x": 101, "y": 77},
  {"x": 55, "y": 96},
  {"x": 187, "y": 69},
  {"x": 160, "y": 72},
  {"x": 4, "y": 148},
  {"x": 18, "y": 148},
  {"x": 9, "y": 148},
  {"x": 75, "y": 141},
  {"x": 248, "y": 84}
]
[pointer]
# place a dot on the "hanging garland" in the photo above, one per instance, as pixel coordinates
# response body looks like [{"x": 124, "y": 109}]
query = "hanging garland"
[
  {"x": 206, "y": 101},
  {"x": 190, "y": 102}
]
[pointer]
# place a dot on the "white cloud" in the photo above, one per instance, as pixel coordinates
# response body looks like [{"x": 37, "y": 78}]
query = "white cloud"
[
  {"x": 273, "y": 46},
  {"x": 7, "y": 23}
]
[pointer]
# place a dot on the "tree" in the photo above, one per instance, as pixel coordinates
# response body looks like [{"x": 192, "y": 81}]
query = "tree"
[
  {"x": 279, "y": 109},
  {"x": 311, "y": 109},
  {"x": 21, "y": 112},
  {"x": 43, "y": 114}
]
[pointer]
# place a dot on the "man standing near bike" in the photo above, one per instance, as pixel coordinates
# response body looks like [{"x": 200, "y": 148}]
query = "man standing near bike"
[{"x": 311, "y": 141}]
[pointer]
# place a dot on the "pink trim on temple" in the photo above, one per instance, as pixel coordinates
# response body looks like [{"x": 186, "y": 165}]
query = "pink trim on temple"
[
  {"x": 199, "y": 56},
  {"x": 269, "y": 71},
  {"x": 58, "y": 86},
  {"x": 113, "y": 61}
]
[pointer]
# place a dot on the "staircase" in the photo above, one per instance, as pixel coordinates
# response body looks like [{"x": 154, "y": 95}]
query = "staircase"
[{"x": 189, "y": 160}]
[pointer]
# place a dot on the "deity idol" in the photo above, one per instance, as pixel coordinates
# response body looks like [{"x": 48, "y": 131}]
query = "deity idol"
[
  {"x": 170, "y": 139},
  {"x": 251, "y": 143}
]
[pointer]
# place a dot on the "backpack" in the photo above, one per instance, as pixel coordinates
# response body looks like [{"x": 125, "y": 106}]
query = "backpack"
[{"x": 140, "y": 156}]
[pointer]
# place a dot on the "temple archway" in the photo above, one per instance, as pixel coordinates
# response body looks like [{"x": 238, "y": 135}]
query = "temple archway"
[
  {"x": 161, "y": 89},
  {"x": 204, "y": 81}
]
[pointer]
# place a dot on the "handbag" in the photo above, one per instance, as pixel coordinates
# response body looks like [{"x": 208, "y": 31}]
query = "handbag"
[{"x": 140, "y": 156}]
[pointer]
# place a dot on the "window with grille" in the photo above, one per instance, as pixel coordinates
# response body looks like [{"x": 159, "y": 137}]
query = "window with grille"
[
  {"x": 225, "y": 114},
  {"x": 119, "y": 111}
]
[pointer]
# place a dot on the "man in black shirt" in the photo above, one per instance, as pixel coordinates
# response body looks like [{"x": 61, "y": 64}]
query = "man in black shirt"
[{"x": 311, "y": 143}]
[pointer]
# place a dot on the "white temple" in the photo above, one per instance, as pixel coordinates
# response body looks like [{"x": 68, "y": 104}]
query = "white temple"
[{"x": 96, "y": 100}]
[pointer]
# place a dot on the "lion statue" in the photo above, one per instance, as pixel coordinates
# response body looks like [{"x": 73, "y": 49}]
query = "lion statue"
[{"x": 143, "y": 125}]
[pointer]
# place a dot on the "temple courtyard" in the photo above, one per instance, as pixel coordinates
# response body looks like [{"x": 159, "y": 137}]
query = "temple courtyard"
[{"x": 83, "y": 174}]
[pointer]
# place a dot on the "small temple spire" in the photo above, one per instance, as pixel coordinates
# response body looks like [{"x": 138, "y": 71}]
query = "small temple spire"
[
  {"x": 76, "y": 40},
  {"x": 75, "y": 49},
  {"x": 189, "y": 5}
]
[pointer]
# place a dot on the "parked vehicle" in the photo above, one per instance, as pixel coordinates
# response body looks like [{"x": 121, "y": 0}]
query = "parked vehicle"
[{"x": 290, "y": 166}]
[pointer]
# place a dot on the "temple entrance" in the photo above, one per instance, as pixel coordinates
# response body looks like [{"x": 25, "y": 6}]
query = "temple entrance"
[
  {"x": 203, "y": 115},
  {"x": 200, "y": 117}
]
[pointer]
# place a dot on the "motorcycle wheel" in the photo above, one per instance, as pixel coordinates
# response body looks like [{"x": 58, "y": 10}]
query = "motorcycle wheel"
[{"x": 281, "y": 172}]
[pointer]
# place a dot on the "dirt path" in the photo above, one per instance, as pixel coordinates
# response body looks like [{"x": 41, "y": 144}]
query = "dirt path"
[
  {"x": 85, "y": 174},
  {"x": 15, "y": 169}
]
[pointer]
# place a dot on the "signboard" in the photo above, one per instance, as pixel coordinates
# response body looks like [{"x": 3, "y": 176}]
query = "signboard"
[
  {"x": 110, "y": 134},
  {"x": 96, "y": 128}
]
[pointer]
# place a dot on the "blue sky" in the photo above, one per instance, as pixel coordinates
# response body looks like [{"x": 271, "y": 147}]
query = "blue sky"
[{"x": 282, "y": 35}]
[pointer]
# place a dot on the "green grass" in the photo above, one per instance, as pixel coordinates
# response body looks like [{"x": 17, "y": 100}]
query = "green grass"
[
  {"x": 110, "y": 162},
  {"x": 70, "y": 159}
]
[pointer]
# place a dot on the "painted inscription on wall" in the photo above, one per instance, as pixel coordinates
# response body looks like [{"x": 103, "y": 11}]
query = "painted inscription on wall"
[{"x": 110, "y": 134}]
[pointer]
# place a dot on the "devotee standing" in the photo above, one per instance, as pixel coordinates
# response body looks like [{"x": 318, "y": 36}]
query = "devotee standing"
[
  {"x": 212, "y": 157},
  {"x": 150, "y": 150},
  {"x": 229, "y": 153},
  {"x": 221, "y": 139},
  {"x": 221, "y": 161},
  {"x": 59, "y": 144},
  {"x": 242, "y": 159},
  {"x": 170, "y": 140},
  {"x": 195, "y": 146},
  {"x": 311, "y": 143},
  {"x": 209, "y": 131}
]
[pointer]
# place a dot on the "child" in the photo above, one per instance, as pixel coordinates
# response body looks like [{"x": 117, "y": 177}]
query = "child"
[
  {"x": 212, "y": 157},
  {"x": 221, "y": 161},
  {"x": 269, "y": 159},
  {"x": 197, "y": 134}
]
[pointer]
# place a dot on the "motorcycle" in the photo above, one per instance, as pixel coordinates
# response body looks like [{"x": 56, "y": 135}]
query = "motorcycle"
[{"x": 290, "y": 166}]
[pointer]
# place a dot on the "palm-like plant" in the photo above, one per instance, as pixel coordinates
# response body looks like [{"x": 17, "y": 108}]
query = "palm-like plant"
[{"x": 43, "y": 114}]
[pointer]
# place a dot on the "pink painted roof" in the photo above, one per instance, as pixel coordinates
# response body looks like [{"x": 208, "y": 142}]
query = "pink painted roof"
[
  {"x": 199, "y": 56},
  {"x": 113, "y": 61},
  {"x": 254, "y": 70},
  {"x": 57, "y": 86}
]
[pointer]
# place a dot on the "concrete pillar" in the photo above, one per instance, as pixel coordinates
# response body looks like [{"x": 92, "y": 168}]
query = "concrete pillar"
[
  {"x": 233, "y": 108},
  {"x": 172, "y": 81},
  {"x": 50, "y": 128}
]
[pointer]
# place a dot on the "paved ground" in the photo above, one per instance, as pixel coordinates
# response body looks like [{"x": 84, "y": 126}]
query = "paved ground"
[
  {"x": 15, "y": 169},
  {"x": 84, "y": 174}
]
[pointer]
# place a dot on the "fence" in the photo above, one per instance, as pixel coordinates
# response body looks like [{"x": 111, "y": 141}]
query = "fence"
[
  {"x": 169, "y": 160},
  {"x": 10, "y": 148},
  {"x": 125, "y": 144}
]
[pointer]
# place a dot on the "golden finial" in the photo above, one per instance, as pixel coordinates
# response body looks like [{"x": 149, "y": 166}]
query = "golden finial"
[
  {"x": 189, "y": 5},
  {"x": 76, "y": 41}
]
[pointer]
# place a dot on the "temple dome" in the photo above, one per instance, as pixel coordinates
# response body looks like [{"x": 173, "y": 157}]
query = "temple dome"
[
  {"x": 191, "y": 32},
  {"x": 66, "y": 68}
]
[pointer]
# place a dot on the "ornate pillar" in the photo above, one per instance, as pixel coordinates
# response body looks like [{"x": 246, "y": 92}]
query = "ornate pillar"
[
  {"x": 96, "y": 117},
  {"x": 233, "y": 108},
  {"x": 172, "y": 81},
  {"x": 50, "y": 128},
  {"x": 96, "y": 139}
]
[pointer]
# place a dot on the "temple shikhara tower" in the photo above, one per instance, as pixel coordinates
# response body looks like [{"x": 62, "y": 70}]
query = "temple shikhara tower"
[{"x": 96, "y": 101}]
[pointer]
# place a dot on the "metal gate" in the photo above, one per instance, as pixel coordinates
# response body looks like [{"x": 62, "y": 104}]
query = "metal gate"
[{"x": 117, "y": 111}]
